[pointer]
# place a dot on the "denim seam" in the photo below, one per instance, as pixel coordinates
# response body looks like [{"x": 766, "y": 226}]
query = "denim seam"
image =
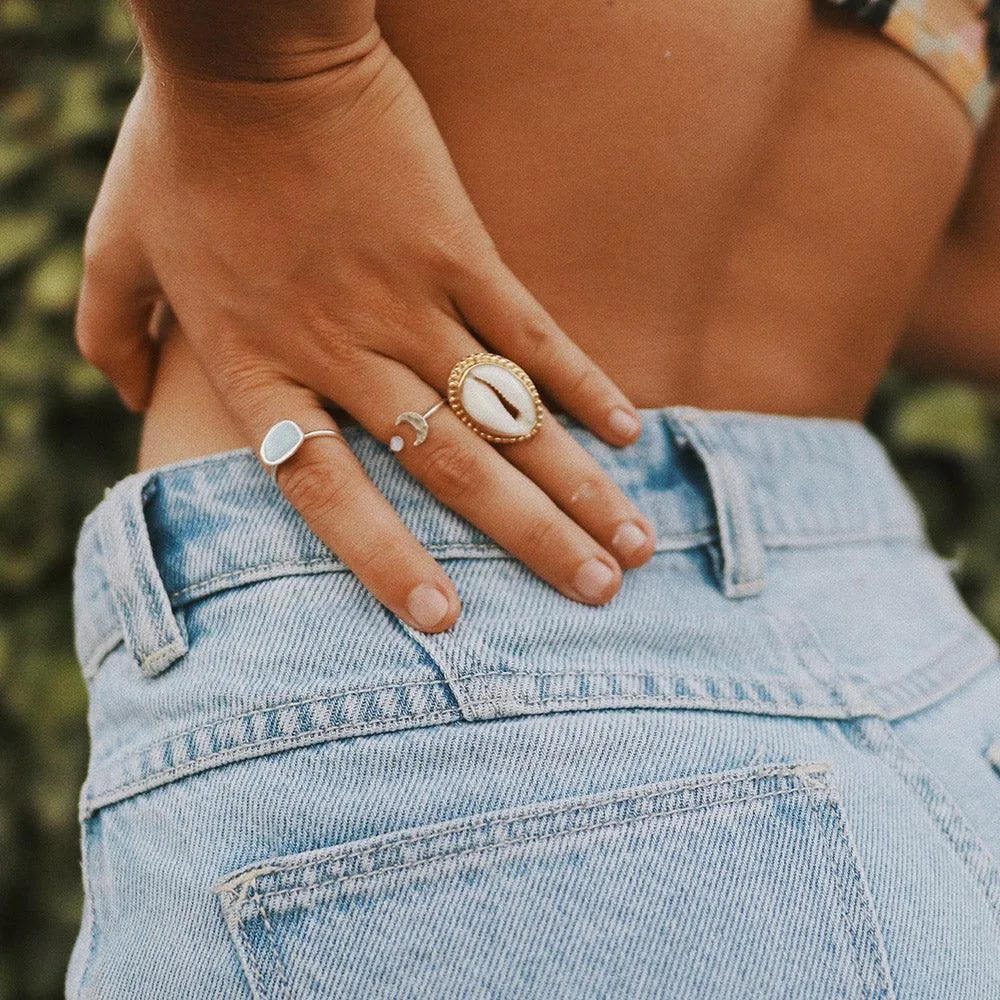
[
  {"x": 279, "y": 965},
  {"x": 769, "y": 696},
  {"x": 484, "y": 550},
  {"x": 841, "y": 893},
  {"x": 284, "y": 706},
  {"x": 353, "y": 879},
  {"x": 449, "y": 676},
  {"x": 457, "y": 550},
  {"x": 535, "y": 811},
  {"x": 889, "y": 533},
  {"x": 263, "y": 748},
  {"x": 915, "y": 690},
  {"x": 85, "y": 982},
  {"x": 853, "y": 892},
  {"x": 319, "y": 564},
  {"x": 664, "y": 700},
  {"x": 936, "y": 679},
  {"x": 944, "y": 813},
  {"x": 442, "y": 549},
  {"x": 249, "y": 749},
  {"x": 811, "y": 655},
  {"x": 251, "y": 961}
]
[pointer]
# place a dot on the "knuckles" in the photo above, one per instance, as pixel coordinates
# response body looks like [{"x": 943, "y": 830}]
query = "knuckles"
[
  {"x": 461, "y": 252},
  {"x": 311, "y": 484},
  {"x": 541, "y": 536},
  {"x": 452, "y": 469},
  {"x": 539, "y": 340},
  {"x": 578, "y": 384}
]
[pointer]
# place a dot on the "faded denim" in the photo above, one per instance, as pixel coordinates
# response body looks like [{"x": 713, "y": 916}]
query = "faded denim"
[{"x": 768, "y": 768}]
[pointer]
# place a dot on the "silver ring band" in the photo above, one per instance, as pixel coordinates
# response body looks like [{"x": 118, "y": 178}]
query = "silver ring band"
[
  {"x": 418, "y": 421},
  {"x": 283, "y": 440}
]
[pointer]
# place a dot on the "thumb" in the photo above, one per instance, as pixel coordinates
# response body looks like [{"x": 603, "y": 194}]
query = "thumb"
[{"x": 116, "y": 308}]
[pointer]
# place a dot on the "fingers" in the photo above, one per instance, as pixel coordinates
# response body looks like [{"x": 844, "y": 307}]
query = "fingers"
[
  {"x": 330, "y": 488},
  {"x": 473, "y": 478},
  {"x": 114, "y": 308},
  {"x": 578, "y": 485},
  {"x": 554, "y": 460},
  {"x": 506, "y": 316}
]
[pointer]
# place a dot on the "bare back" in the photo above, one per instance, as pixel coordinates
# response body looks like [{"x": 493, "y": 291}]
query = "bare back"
[{"x": 727, "y": 206}]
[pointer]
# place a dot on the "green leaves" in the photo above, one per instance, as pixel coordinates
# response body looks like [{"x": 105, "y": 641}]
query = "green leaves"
[
  {"x": 944, "y": 437},
  {"x": 54, "y": 283},
  {"x": 948, "y": 418},
  {"x": 23, "y": 236},
  {"x": 65, "y": 76}
]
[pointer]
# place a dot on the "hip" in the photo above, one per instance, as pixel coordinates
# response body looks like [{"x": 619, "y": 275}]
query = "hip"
[{"x": 787, "y": 717}]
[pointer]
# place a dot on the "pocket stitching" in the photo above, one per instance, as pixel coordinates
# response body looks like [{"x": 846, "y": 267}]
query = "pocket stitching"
[
  {"x": 282, "y": 972},
  {"x": 853, "y": 883},
  {"x": 869, "y": 960},
  {"x": 353, "y": 880},
  {"x": 541, "y": 810}
]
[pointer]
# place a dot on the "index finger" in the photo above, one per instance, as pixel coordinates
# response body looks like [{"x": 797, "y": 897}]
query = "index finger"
[{"x": 328, "y": 485}]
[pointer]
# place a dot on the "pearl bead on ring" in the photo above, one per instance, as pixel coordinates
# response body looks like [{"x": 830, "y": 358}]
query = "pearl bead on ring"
[{"x": 418, "y": 421}]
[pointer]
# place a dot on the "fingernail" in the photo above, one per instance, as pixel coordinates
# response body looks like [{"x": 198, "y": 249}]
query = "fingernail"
[
  {"x": 592, "y": 579},
  {"x": 624, "y": 423},
  {"x": 426, "y": 605},
  {"x": 628, "y": 538}
]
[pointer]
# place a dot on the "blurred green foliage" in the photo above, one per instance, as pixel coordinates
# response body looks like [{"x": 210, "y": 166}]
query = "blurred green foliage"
[{"x": 66, "y": 73}]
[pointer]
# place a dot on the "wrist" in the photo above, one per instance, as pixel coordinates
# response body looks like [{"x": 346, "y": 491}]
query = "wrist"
[
  {"x": 278, "y": 103},
  {"x": 215, "y": 44}
]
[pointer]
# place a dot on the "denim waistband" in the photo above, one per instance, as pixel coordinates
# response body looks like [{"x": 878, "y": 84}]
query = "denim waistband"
[{"x": 736, "y": 481}]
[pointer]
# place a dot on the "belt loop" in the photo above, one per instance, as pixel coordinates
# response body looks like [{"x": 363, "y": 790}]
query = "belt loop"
[
  {"x": 153, "y": 635},
  {"x": 740, "y": 567}
]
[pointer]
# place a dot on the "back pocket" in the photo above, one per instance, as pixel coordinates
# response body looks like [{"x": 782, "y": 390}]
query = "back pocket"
[{"x": 739, "y": 884}]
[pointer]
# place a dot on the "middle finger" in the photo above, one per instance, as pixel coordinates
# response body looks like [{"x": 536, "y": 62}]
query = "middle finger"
[{"x": 553, "y": 458}]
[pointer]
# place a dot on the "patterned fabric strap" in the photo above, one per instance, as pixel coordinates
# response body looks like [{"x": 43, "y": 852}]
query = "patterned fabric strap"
[{"x": 958, "y": 40}]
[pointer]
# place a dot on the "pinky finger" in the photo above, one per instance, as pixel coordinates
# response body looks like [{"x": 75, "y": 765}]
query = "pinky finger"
[{"x": 113, "y": 315}]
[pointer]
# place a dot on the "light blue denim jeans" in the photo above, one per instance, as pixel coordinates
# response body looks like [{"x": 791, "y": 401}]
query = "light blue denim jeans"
[{"x": 768, "y": 768}]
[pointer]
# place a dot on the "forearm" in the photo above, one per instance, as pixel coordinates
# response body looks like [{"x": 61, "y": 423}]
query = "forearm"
[
  {"x": 253, "y": 39},
  {"x": 954, "y": 328}
]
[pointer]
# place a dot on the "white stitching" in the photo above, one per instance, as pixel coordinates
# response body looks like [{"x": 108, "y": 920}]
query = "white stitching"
[{"x": 532, "y": 811}]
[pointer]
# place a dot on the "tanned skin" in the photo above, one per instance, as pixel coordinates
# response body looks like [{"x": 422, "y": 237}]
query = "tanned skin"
[{"x": 643, "y": 204}]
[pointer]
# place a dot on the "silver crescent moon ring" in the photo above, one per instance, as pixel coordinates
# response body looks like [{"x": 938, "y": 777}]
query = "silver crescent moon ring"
[
  {"x": 495, "y": 397},
  {"x": 418, "y": 421},
  {"x": 283, "y": 440}
]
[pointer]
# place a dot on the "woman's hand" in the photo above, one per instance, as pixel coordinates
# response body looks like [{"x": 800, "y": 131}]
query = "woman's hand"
[{"x": 314, "y": 241}]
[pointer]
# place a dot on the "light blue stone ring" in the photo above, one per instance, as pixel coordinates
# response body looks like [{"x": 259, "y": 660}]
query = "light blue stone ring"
[{"x": 283, "y": 440}]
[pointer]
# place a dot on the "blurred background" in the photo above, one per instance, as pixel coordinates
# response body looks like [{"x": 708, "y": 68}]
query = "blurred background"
[{"x": 67, "y": 70}]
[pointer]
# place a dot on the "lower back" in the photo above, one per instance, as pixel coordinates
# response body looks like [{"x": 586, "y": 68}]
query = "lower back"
[{"x": 727, "y": 207}]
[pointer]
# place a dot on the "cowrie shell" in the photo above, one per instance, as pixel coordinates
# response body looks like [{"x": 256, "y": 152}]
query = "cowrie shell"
[{"x": 495, "y": 397}]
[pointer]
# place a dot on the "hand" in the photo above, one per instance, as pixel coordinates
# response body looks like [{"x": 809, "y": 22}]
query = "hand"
[{"x": 314, "y": 241}]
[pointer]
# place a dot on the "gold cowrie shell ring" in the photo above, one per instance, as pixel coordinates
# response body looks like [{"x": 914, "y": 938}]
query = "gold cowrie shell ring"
[{"x": 495, "y": 397}]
